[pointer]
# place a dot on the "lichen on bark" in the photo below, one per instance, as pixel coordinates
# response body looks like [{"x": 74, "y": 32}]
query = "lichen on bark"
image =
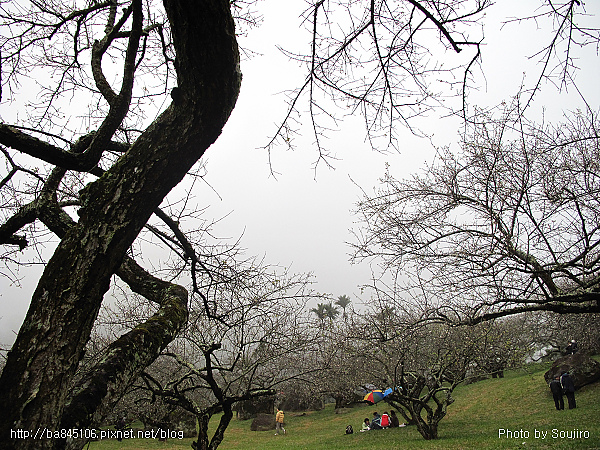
[{"x": 66, "y": 302}]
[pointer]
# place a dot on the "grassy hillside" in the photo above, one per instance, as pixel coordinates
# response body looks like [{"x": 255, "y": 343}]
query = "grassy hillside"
[{"x": 521, "y": 401}]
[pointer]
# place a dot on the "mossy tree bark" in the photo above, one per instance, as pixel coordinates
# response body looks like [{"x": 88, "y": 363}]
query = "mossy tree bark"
[{"x": 66, "y": 302}]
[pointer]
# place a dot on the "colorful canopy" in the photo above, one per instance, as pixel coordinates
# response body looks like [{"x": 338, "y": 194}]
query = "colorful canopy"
[
  {"x": 374, "y": 396},
  {"x": 377, "y": 395}
]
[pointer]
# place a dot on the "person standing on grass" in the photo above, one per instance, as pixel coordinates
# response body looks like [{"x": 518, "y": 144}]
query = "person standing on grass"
[
  {"x": 557, "y": 393},
  {"x": 568, "y": 388},
  {"x": 279, "y": 422}
]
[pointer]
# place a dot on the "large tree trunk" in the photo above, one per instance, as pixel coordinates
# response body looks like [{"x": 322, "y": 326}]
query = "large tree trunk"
[
  {"x": 203, "y": 441},
  {"x": 66, "y": 302},
  {"x": 99, "y": 390},
  {"x": 223, "y": 424}
]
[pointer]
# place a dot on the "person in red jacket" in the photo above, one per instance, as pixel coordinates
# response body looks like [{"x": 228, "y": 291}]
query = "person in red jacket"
[{"x": 385, "y": 420}]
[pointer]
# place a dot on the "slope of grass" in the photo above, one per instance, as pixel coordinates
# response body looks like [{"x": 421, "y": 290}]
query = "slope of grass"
[{"x": 512, "y": 412}]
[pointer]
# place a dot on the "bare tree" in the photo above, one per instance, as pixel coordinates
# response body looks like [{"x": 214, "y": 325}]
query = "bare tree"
[
  {"x": 421, "y": 363},
  {"x": 391, "y": 61},
  {"x": 254, "y": 342},
  {"x": 141, "y": 168},
  {"x": 506, "y": 225},
  {"x": 552, "y": 333},
  {"x": 339, "y": 358},
  {"x": 375, "y": 58},
  {"x": 503, "y": 344}
]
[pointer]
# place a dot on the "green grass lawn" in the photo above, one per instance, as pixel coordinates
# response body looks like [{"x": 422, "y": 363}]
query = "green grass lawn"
[{"x": 521, "y": 401}]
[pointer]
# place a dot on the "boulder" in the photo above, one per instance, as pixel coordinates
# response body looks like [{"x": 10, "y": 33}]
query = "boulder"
[
  {"x": 583, "y": 369},
  {"x": 263, "y": 422}
]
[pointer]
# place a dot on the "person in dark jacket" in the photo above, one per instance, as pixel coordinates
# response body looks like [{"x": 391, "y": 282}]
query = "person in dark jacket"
[
  {"x": 569, "y": 389},
  {"x": 557, "y": 393},
  {"x": 376, "y": 421},
  {"x": 571, "y": 348},
  {"x": 394, "y": 422}
]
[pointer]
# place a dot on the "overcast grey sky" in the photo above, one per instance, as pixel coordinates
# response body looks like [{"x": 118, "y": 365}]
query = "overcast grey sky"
[{"x": 302, "y": 218}]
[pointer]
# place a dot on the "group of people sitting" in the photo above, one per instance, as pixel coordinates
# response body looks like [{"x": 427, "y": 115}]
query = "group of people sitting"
[{"x": 379, "y": 422}]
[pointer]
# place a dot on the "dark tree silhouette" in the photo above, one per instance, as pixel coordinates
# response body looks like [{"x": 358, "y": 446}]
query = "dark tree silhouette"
[{"x": 114, "y": 208}]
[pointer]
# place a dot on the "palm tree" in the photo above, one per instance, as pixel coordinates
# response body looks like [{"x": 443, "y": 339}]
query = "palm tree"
[
  {"x": 320, "y": 311},
  {"x": 331, "y": 312},
  {"x": 343, "y": 301}
]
